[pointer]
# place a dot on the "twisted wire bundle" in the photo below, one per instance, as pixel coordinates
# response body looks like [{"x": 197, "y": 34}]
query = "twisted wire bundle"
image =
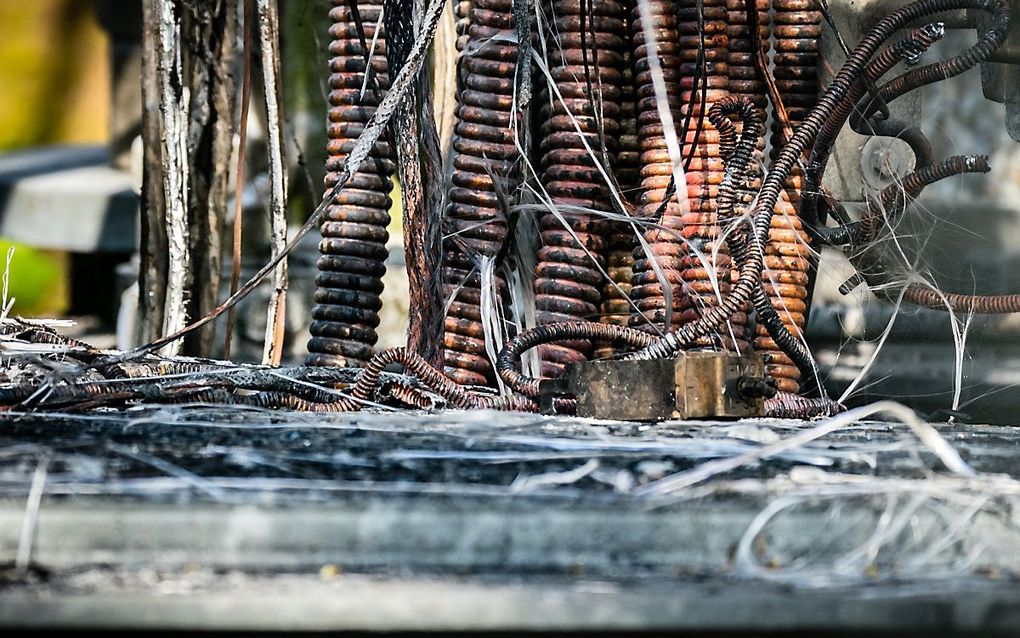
[
  {"x": 580, "y": 125},
  {"x": 353, "y": 247},
  {"x": 745, "y": 82},
  {"x": 484, "y": 151}
]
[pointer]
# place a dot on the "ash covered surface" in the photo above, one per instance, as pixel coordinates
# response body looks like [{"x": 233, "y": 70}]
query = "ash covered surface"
[
  {"x": 203, "y": 451},
  {"x": 205, "y": 517},
  {"x": 836, "y": 502}
]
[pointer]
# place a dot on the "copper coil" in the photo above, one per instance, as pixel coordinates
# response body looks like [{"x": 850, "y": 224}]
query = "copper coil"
[
  {"x": 791, "y": 406},
  {"x": 581, "y": 120},
  {"x": 353, "y": 247},
  {"x": 619, "y": 267},
  {"x": 484, "y": 149},
  {"x": 656, "y": 166},
  {"x": 744, "y": 80},
  {"x": 628, "y": 153},
  {"x": 796, "y": 29},
  {"x": 462, "y": 12},
  {"x": 414, "y": 397},
  {"x": 785, "y": 280},
  {"x": 705, "y": 267}
]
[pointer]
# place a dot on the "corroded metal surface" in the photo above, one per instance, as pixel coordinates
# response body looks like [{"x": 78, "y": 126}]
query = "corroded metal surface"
[
  {"x": 484, "y": 167},
  {"x": 580, "y": 127},
  {"x": 796, "y": 31},
  {"x": 354, "y": 234},
  {"x": 697, "y": 385}
]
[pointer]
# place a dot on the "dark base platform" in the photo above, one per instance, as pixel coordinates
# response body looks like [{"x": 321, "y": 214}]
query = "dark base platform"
[{"x": 200, "y": 518}]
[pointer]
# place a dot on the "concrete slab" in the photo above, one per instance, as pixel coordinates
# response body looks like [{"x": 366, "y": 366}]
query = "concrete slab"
[
  {"x": 67, "y": 198},
  {"x": 199, "y": 600}
]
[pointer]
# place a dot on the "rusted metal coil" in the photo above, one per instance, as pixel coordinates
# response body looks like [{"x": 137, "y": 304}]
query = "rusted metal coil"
[
  {"x": 796, "y": 31},
  {"x": 414, "y": 397},
  {"x": 738, "y": 153},
  {"x": 788, "y": 261},
  {"x": 272, "y": 400},
  {"x": 785, "y": 280},
  {"x": 620, "y": 238},
  {"x": 894, "y": 199},
  {"x": 656, "y": 166},
  {"x": 459, "y": 397},
  {"x": 891, "y": 202},
  {"x": 744, "y": 79},
  {"x": 619, "y": 266},
  {"x": 283, "y": 400},
  {"x": 59, "y": 395},
  {"x": 773, "y": 183},
  {"x": 509, "y": 362},
  {"x": 854, "y": 106},
  {"x": 585, "y": 52},
  {"x": 792, "y": 406},
  {"x": 704, "y": 258},
  {"x": 628, "y": 152},
  {"x": 927, "y": 297},
  {"x": 737, "y": 148},
  {"x": 742, "y": 72},
  {"x": 135, "y": 370},
  {"x": 38, "y": 334},
  {"x": 483, "y": 149},
  {"x": 353, "y": 247},
  {"x": 462, "y": 12}
]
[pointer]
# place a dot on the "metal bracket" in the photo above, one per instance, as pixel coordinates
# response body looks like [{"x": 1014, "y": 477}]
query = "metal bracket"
[{"x": 697, "y": 385}]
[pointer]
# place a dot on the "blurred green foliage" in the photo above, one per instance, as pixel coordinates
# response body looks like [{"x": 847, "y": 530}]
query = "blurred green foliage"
[{"x": 36, "y": 280}]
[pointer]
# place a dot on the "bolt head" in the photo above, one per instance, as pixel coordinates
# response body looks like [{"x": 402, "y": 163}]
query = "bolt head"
[{"x": 885, "y": 160}]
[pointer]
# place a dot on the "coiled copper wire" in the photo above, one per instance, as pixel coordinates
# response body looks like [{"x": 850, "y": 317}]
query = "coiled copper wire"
[
  {"x": 369, "y": 383},
  {"x": 414, "y": 397},
  {"x": 585, "y": 43},
  {"x": 620, "y": 268},
  {"x": 621, "y": 241},
  {"x": 353, "y": 247},
  {"x": 628, "y": 152},
  {"x": 796, "y": 31},
  {"x": 484, "y": 149},
  {"x": 704, "y": 259},
  {"x": 744, "y": 80},
  {"x": 462, "y": 12},
  {"x": 656, "y": 167}
]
